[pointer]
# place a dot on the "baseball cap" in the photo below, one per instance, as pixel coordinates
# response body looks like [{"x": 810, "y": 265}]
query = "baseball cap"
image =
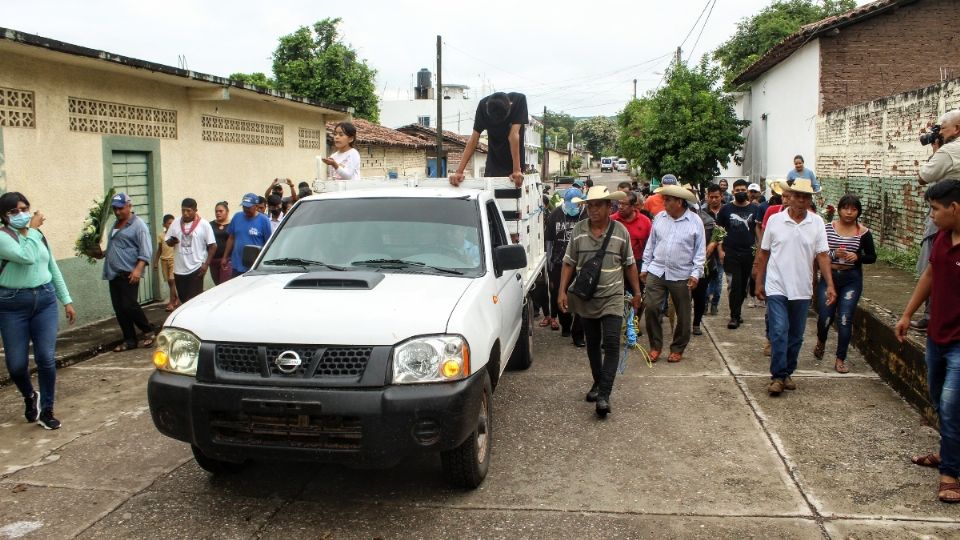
[
  {"x": 579, "y": 182},
  {"x": 754, "y": 187},
  {"x": 120, "y": 200},
  {"x": 669, "y": 180},
  {"x": 250, "y": 199}
]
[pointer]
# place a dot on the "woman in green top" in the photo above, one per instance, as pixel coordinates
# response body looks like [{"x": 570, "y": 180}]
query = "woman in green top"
[{"x": 30, "y": 285}]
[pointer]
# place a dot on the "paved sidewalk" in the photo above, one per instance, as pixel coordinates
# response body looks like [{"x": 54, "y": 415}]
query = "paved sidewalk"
[{"x": 79, "y": 343}]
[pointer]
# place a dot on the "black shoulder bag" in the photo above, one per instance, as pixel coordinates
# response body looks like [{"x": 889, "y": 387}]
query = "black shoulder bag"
[{"x": 588, "y": 277}]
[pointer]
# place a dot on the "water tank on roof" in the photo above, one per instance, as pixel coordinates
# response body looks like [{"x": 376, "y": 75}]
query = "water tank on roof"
[{"x": 423, "y": 89}]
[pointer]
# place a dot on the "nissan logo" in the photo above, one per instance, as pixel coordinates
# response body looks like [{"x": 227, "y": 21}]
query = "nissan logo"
[{"x": 288, "y": 361}]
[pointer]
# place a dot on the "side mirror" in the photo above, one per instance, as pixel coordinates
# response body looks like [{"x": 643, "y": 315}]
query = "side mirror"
[
  {"x": 512, "y": 257},
  {"x": 250, "y": 254}
]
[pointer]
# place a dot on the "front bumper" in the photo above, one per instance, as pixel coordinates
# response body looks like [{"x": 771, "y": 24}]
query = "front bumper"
[{"x": 363, "y": 426}]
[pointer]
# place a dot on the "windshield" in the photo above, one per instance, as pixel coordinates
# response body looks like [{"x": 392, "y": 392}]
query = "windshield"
[{"x": 436, "y": 235}]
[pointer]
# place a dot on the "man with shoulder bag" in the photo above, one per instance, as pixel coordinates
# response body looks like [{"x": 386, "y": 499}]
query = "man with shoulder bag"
[{"x": 600, "y": 254}]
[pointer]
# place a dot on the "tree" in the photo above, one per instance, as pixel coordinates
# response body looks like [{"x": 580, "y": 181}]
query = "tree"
[
  {"x": 599, "y": 134},
  {"x": 687, "y": 128},
  {"x": 758, "y": 34},
  {"x": 316, "y": 64},
  {"x": 256, "y": 79}
]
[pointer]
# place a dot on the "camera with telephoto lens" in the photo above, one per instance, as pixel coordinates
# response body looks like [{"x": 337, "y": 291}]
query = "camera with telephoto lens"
[{"x": 933, "y": 136}]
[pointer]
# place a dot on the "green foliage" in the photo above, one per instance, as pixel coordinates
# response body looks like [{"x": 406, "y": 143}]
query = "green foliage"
[
  {"x": 557, "y": 138},
  {"x": 687, "y": 128},
  {"x": 599, "y": 134},
  {"x": 256, "y": 79},
  {"x": 758, "y": 34},
  {"x": 904, "y": 260},
  {"x": 575, "y": 164},
  {"x": 316, "y": 64},
  {"x": 558, "y": 127}
]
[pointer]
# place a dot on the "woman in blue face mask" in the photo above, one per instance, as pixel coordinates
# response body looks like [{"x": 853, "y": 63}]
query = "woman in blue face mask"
[{"x": 30, "y": 285}]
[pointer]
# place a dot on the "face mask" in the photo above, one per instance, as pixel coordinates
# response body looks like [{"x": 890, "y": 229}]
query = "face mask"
[
  {"x": 21, "y": 220},
  {"x": 740, "y": 197}
]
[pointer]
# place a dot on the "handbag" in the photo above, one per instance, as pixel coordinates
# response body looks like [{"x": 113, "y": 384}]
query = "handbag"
[{"x": 588, "y": 277}]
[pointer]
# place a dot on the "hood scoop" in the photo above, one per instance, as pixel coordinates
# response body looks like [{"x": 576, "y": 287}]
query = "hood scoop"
[{"x": 349, "y": 280}]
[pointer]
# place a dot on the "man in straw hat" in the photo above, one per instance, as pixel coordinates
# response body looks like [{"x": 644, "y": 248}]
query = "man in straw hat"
[
  {"x": 793, "y": 241},
  {"x": 673, "y": 263},
  {"x": 602, "y": 314}
]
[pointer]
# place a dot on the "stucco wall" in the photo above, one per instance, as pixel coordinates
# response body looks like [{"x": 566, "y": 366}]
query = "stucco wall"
[
  {"x": 378, "y": 160},
  {"x": 62, "y": 171},
  {"x": 871, "y": 149},
  {"x": 788, "y": 95}
]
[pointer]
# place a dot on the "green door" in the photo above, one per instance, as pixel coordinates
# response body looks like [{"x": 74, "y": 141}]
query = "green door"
[{"x": 131, "y": 175}]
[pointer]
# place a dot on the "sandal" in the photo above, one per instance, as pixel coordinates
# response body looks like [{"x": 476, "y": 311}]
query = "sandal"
[
  {"x": 123, "y": 347},
  {"x": 818, "y": 350},
  {"x": 841, "y": 366},
  {"x": 675, "y": 357},
  {"x": 148, "y": 339},
  {"x": 654, "y": 356},
  {"x": 554, "y": 324},
  {"x": 929, "y": 460},
  {"x": 545, "y": 322},
  {"x": 952, "y": 488}
]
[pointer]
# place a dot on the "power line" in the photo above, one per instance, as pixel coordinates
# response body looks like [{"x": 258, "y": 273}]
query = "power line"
[
  {"x": 694, "y": 27},
  {"x": 705, "y": 21}
]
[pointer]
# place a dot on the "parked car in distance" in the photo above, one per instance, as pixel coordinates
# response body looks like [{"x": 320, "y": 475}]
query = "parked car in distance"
[
  {"x": 622, "y": 165},
  {"x": 606, "y": 165}
]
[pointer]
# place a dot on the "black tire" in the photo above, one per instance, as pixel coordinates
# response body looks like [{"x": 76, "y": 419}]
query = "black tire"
[
  {"x": 215, "y": 466},
  {"x": 466, "y": 465},
  {"x": 522, "y": 356}
]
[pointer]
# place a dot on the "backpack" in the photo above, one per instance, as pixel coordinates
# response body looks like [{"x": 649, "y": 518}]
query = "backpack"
[{"x": 13, "y": 234}]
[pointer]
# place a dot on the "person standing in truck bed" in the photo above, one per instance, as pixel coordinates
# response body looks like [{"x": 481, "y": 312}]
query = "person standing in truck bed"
[{"x": 503, "y": 116}]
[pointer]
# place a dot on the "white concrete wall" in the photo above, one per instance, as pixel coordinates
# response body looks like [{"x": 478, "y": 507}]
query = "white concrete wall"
[
  {"x": 457, "y": 113},
  {"x": 789, "y": 96},
  {"x": 740, "y": 107}
]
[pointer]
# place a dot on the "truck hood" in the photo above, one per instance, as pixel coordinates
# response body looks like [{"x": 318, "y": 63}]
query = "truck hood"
[{"x": 259, "y": 309}]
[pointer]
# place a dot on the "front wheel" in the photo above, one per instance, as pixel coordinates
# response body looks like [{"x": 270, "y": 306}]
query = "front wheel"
[
  {"x": 466, "y": 465},
  {"x": 215, "y": 466}
]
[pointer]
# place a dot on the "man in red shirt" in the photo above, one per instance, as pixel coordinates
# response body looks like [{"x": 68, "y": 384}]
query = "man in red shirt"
[
  {"x": 637, "y": 224},
  {"x": 939, "y": 283}
]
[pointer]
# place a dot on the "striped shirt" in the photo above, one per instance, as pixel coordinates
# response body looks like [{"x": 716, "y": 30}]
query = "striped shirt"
[
  {"x": 849, "y": 243},
  {"x": 583, "y": 246},
  {"x": 677, "y": 248}
]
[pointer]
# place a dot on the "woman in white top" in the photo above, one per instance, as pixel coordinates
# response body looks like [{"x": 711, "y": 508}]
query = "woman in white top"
[{"x": 345, "y": 162}]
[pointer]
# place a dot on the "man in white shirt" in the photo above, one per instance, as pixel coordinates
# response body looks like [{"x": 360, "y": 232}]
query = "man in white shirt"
[
  {"x": 792, "y": 241},
  {"x": 275, "y": 211},
  {"x": 194, "y": 245}
]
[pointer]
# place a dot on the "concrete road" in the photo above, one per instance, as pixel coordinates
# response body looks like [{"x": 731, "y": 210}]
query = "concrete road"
[{"x": 695, "y": 449}]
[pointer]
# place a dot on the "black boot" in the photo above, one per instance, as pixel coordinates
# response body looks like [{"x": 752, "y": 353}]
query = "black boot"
[
  {"x": 592, "y": 394},
  {"x": 603, "y": 406}
]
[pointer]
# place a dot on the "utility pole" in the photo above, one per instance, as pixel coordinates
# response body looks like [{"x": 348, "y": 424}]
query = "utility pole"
[
  {"x": 570, "y": 155},
  {"x": 677, "y": 59},
  {"x": 439, "y": 110},
  {"x": 634, "y": 89},
  {"x": 543, "y": 144}
]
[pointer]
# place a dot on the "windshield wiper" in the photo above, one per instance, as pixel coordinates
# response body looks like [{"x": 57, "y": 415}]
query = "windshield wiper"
[
  {"x": 401, "y": 262},
  {"x": 296, "y": 261}
]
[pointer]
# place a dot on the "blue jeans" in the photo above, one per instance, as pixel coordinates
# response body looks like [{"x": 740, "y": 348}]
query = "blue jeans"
[
  {"x": 30, "y": 315},
  {"x": 849, "y": 285},
  {"x": 715, "y": 286},
  {"x": 786, "y": 321},
  {"x": 943, "y": 379}
]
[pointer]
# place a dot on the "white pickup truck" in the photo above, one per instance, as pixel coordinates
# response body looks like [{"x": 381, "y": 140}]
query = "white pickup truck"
[{"x": 374, "y": 325}]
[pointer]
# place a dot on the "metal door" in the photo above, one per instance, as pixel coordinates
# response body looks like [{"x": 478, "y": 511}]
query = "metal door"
[{"x": 131, "y": 175}]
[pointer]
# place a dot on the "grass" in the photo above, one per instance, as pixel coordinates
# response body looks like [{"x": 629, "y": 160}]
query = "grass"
[{"x": 904, "y": 260}]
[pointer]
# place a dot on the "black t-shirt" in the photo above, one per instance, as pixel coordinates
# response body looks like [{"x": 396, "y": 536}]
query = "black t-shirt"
[
  {"x": 740, "y": 223},
  {"x": 499, "y": 160},
  {"x": 558, "y": 228},
  {"x": 221, "y": 237}
]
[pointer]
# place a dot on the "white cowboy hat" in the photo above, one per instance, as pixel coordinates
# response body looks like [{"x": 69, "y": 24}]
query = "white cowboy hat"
[
  {"x": 800, "y": 185},
  {"x": 678, "y": 192},
  {"x": 600, "y": 193}
]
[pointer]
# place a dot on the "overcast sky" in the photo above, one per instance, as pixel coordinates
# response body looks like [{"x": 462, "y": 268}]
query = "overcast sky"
[{"x": 577, "y": 57}]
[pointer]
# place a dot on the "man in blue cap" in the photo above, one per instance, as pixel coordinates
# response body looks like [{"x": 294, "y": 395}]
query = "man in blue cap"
[
  {"x": 247, "y": 228},
  {"x": 128, "y": 253},
  {"x": 558, "y": 226}
]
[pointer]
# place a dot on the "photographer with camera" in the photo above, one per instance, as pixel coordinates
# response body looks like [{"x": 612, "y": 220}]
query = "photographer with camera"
[{"x": 944, "y": 139}]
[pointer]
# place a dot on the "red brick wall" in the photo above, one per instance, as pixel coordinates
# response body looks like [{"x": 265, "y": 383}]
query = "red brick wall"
[{"x": 890, "y": 53}]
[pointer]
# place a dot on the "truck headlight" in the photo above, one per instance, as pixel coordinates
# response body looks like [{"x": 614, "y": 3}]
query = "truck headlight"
[
  {"x": 178, "y": 351},
  {"x": 431, "y": 359}
]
